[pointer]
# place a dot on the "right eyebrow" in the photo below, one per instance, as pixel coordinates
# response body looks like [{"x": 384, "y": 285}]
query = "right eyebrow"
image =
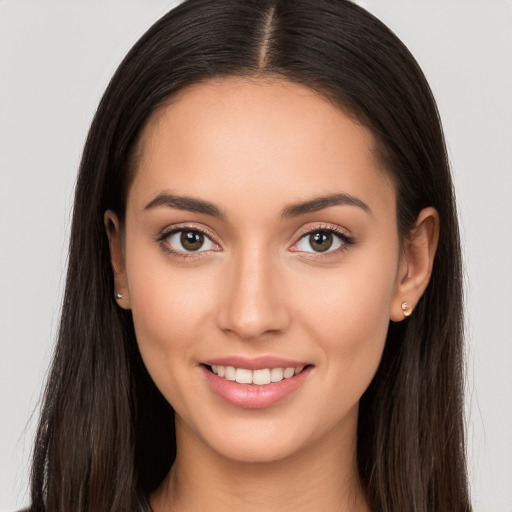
[{"x": 186, "y": 203}]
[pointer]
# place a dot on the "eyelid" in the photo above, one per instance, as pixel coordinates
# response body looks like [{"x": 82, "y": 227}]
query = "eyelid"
[
  {"x": 346, "y": 239},
  {"x": 176, "y": 228},
  {"x": 333, "y": 228}
]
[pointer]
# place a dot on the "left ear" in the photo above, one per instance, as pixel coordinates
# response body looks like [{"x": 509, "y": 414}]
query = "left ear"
[{"x": 415, "y": 269}]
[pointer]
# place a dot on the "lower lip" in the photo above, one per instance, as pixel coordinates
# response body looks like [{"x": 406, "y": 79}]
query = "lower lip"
[{"x": 252, "y": 396}]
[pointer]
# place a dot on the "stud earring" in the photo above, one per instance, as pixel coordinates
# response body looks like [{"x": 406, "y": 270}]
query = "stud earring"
[
  {"x": 119, "y": 295},
  {"x": 406, "y": 309}
]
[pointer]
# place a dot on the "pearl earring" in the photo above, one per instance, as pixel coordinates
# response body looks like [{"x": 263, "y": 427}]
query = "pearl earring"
[
  {"x": 406, "y": 309},
  {"x": 119, "y": 295}
]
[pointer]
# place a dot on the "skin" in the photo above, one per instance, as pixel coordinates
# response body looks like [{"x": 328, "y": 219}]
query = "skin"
[{"x": 252, "y": 147}]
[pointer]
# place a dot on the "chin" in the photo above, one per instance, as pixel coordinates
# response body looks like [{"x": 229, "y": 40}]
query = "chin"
[
  {"x": 250, "y": 439},
  {"x": 272, "y": 449}
]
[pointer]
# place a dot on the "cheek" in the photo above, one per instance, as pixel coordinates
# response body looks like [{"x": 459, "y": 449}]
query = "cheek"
[
  {"x": 168, "y": 308},
  {"x": 348, "y": 315}
]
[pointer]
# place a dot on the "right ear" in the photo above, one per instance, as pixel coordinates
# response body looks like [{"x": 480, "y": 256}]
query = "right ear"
[{"x": 115, "y": 243}]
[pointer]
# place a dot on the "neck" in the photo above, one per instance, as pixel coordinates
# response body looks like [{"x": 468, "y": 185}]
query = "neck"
[{"x": 323, "y": 476}]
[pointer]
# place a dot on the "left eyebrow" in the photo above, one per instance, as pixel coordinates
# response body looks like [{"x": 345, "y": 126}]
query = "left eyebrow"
[{"x": 319, "y": 203}]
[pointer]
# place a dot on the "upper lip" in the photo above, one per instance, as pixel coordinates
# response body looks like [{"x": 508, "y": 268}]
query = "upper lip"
[{"x": 255, "y": 363}]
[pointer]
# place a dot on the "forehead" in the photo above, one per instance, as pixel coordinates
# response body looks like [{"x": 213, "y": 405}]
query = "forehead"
[{"x": 250, "y": 135}]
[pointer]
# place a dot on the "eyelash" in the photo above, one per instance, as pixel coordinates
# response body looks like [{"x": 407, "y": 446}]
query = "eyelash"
[
  {"x": 346, "y": 241},
  {"x": 161, "y": 240}
]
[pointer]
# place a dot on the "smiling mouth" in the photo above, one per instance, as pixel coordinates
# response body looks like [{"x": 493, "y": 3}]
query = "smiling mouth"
[{"x": 260, "y": 377}]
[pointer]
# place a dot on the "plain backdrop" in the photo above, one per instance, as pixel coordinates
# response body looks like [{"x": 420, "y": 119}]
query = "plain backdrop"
[{"x": 56, "y": 58}]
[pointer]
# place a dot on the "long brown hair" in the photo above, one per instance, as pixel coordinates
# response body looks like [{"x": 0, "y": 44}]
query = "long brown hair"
[{"x": 106, "y": 436}]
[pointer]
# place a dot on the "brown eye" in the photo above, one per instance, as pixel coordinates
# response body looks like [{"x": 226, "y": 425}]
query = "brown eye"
[
  {"x": 321, "y": 241},
  {"x": 183, "y": 241},
  {"x": 191, "y": 240}
]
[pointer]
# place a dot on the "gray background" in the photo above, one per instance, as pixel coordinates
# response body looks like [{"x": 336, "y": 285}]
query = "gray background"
[{"x": 55, "y": 60}]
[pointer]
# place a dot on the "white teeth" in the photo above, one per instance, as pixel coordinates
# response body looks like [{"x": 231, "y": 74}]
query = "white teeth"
[
  {"x": 230, "y": 373},
  {"x": 276, "y": 374},
  {"x": 289, "y": 372},
  {"x": 243, "y": 376},
  {"x": 259, "y": 377}
]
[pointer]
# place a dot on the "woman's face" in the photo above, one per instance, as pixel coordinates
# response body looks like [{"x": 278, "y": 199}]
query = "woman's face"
[{"x": 260, "y": 235}]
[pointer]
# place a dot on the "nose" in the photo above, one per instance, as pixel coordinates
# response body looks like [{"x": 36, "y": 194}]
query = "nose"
[{"x": 253, "y": 301}]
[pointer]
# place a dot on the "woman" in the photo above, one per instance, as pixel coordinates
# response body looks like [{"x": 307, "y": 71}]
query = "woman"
[{"x": 263, "y": 302}]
